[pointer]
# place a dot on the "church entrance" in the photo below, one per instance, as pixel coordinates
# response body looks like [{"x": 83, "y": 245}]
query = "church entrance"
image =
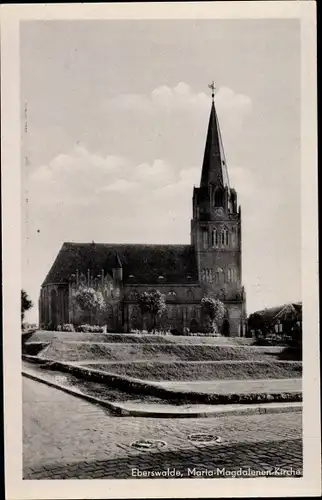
[
  {"x": 109, "y": 318},
  {"x": 225, "y": 328},
  {"x": 194, "y": 327}
]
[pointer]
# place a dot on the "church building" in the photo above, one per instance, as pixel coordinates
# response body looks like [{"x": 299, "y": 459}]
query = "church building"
[{"x": 210, "y": 266}]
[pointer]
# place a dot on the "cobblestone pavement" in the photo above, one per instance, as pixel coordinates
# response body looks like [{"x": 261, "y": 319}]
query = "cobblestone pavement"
[{"x": 66, "y": 437}]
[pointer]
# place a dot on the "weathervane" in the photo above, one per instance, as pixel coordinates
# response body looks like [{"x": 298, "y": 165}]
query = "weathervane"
[{"x": 213, "y": 88}]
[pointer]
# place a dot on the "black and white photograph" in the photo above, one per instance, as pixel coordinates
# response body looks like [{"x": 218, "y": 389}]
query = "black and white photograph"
[{"x": 163, "y": 310}]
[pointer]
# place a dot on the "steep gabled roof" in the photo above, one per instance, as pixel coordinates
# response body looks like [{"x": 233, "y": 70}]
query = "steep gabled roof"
[{"x": 176, "y": 263}]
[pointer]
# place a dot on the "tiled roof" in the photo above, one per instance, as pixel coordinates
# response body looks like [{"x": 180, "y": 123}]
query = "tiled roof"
[
  {"x": 176, "y": 263},
  {"x": 270, "y": 313}
]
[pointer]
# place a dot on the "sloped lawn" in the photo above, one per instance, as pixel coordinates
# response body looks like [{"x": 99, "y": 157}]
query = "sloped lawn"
[
  {"x": 78, "y": 351},
  {"x": 204, "y": 371},
  {"x": 122, "y": 338}
]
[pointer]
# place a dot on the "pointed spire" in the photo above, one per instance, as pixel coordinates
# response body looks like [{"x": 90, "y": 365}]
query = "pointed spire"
[
  {"x": 214, "y": 166},
  {"x": 118, "y": 263}
]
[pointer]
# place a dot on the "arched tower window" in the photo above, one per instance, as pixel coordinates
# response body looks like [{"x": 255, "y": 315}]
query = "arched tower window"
[
  {"x": 233, "y": 200},
  {"x": 205, "y": 238},
  {"x": 219, "y": 198},
  {"x": 233, "y": 275},
  {"x": 233, "y": 235},
  {"x": 215, "y": 237},
  {"x": 228, "y": 275},
  {"x": 224, "y": 237}
]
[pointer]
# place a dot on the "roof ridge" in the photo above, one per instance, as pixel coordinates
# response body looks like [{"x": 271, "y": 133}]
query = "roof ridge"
[
  {"x": 144, "y": 260},
  {"x": 129, "y": 244}
]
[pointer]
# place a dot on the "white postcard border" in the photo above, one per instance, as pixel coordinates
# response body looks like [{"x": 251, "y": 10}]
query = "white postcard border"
[{"x": 16, "y": 488}]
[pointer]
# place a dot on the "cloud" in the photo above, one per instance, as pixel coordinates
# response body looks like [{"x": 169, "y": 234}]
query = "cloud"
[
  {"x": 155, "y": 174},
  {"x": 183, "y": 98},
  {"x": 74, "y": 177},
  {"x": 81, "y": 178},
  {"x": 121, "y": 186}
]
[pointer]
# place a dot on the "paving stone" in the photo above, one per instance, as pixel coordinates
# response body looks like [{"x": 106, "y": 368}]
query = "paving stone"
[{"x": 66, "y": 436}]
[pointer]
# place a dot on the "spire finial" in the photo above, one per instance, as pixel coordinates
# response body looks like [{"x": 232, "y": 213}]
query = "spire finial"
[{"x": 213, "y": 88}]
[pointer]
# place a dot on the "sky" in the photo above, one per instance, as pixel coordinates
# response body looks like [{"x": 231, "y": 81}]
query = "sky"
[{"x": 117, "y": 114}]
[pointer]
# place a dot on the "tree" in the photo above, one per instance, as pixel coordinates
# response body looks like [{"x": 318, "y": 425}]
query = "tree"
[
  {"x": 257, "y": 323},
  {"x": 214, "y": 311},
  {"x": 89, "y": 300},
  {"x": 152, "y": 303},
  {"x": 26, "y": 304}
]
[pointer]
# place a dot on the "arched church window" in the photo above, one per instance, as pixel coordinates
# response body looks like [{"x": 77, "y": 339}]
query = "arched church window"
[
  {"x": 133, "y": 295},
  {"x": 171, "y": 312},
  {"x": 172, "y": 294},
  {"x": 205, "y": 238},
  {"x": 216, "y": 277},
  {"x": 209, "y": 275},
  {"x": 203, "y": 276},
  {"x": 219, "y": 198},
  {"x": 228, "y": 275},
  {"x": 190, "y": 295},
  {"x": 54, "y": 307}
]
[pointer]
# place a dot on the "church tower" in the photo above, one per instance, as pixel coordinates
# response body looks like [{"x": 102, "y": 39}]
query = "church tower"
[{"x": 216, "y": 232}]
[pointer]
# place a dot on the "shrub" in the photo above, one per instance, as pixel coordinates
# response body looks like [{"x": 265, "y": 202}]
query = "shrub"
[
  {"x": 59, "y": 328},
  {"x": 68, "y": 327},
  {"x": 270, "y": 339},
  {"x": 96, "y": 329},
  {"x": 90, "y": 300},
  {"x": 91, "y": 328},
  {"x": 83, "y": 328},
  {"x": 145, "y": 332},
  {"x": 214, "y": 311}
]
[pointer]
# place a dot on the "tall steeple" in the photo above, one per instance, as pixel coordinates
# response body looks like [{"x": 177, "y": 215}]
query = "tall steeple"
[
  {"x": 216, "y": 231},
  {"x": 214, "y": 170}
]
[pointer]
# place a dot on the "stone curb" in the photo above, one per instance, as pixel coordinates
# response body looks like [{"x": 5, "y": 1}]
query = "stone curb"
[
  {"x": 219, "y": 411},
  {"x": 129, "y": 384}
]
